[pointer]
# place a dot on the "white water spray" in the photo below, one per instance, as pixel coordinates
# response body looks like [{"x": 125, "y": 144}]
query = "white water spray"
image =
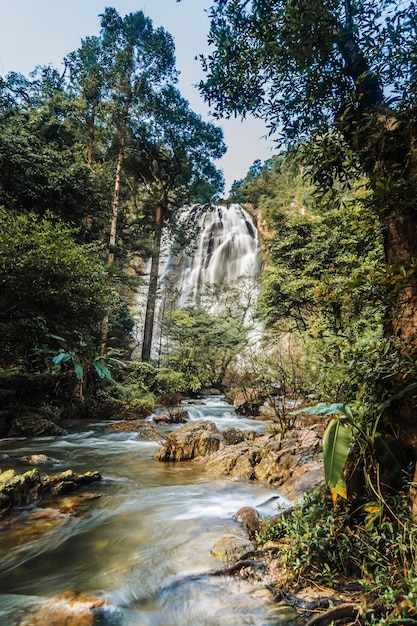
[{"x": 225, "y": 250}]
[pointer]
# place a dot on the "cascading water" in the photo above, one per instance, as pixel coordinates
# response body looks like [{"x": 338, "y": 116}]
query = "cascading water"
[
  {"x": 222, "y": 254},
  {"x": 225, "y": 249}
]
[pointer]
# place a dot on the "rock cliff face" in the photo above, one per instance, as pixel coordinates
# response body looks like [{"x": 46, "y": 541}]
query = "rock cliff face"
[{"x": 291, "y": 462}]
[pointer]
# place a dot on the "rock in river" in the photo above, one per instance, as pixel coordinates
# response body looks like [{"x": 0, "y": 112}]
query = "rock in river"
[{"x": 191, "y": 441}]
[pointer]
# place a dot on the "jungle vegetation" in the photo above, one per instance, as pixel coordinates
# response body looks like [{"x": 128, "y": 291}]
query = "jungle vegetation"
[
  {"x": 335, "y": 81},
  {"x": 97, "y": 161}
]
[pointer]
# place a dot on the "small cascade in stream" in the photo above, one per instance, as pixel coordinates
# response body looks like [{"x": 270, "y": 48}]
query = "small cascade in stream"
[{"x": 225, "y": 251}]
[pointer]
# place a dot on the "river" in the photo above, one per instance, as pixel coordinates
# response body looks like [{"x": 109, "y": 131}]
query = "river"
[{"x": 141, "y": 534}]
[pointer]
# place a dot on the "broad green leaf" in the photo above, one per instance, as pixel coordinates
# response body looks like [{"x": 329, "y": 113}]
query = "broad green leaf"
[
  {"x": 102, "y": 370},
  {"x": 62, "y": 357},
  {"x": 79, "y": 370},
  {"x": 322, "y": 408},
  {"x": 336, "y": 442}
]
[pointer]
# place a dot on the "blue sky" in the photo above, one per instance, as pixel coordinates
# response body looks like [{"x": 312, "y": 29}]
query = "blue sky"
[{"x": 42, "y": 32}]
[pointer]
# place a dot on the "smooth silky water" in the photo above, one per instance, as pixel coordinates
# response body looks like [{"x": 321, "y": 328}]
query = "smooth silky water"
[{"x": 140, "y": 542}]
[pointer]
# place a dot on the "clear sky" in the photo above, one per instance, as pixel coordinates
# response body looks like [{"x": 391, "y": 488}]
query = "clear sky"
[{"x": 42, "y": 32}]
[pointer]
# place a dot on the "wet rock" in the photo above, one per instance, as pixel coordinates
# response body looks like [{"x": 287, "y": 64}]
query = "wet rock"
[
  {"x": 238, "y": 460},
  {"x": 69, "y": 481},
  {"x": 231, "y": 548},
  {"x": 34, "y": 424},
  {"x": 191, "y": 441},
  {"x": 18, "y": 490},
  {"x": 248, "y": 516},
  {"x": 72, "y": 609},
  {"x": 234, "y": 435},
  {"x": 302, "y": 479},
  {"x": 128, "y": 426},
  {"x": 180, "y": 416},
  {"x": 37, "y": 459},
  {"x": 291, "y": 462}
]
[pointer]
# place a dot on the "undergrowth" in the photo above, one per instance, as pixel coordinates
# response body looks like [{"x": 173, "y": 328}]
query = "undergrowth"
[{"x": 372, "y": 543}]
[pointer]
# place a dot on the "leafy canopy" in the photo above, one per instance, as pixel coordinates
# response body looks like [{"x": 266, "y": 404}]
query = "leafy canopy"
[{"x": 300, "y": 64}]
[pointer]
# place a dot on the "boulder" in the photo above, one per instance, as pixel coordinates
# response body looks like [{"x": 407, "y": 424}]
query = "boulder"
[
  {"x": 234, "y": 435},
  {"x": 37, "y": 459},
  {"x": 249, "y": 517},
  {"x": 238, "y": 461},
  {"x": 68, "y": 481},
  {"x": 290, "y": 462},
  {"x": 231, "y": 548},
  {"x": 35, "y": 422},
  {"x": 191, "y": 441},
  {"x": 17, "y": 490},
  {"x": 71, "y": 609}
]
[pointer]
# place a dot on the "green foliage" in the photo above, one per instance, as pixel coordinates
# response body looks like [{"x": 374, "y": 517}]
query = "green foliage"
[
  {"x": 202, "y": 346},
  {"x": 376, "y": 452},
  {"x": 318, "y": 253},
  {"x": 277, "y": 371},
  {"x": 291, "y": 63},
  {"x": 60, "y": 139},
  {"x": 143, "y": 384},
  {"x": 50, "y": 286},
  {"x": 373, "y": 542}
]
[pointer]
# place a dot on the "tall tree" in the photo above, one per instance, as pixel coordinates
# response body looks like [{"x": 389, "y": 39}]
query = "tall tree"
[
  {"x": 140, "y": 61},
  {"x": 87, "y": 79},
  {"x": 311, "y": 65},
  {"x": 172, "y": 156},
  {"x": 41, "y": 168}
]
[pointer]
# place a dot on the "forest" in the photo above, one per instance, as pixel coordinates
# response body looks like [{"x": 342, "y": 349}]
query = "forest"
[{"x": 97, "y": 164}]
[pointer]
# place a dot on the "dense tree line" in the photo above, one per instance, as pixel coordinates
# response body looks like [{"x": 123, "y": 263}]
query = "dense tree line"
[
  {"x": 338, "y": 79},
  {"x": 94, "y": 162}
]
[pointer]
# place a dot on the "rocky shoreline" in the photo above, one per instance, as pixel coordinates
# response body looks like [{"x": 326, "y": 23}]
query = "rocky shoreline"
[{"x": 289, "y": 461}]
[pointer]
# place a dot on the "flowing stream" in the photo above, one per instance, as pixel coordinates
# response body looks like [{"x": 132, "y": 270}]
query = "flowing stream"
[{"x": 139, "y": 543}]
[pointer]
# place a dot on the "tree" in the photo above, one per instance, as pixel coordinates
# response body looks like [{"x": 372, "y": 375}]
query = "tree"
[
  {"x": 140, "y": 59},
  {"x": 50, "y": 286},
  {"x": 172, "y": 156},
  {"x": 203, "y": 346},
  {"x": 40, "y": 167},
  {"x": 310, "y": 66}
]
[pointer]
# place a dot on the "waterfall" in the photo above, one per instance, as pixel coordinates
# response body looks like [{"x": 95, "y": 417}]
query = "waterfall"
[
  {"x": 216, "y": 268},
  {"x": 225, "y": 251}
]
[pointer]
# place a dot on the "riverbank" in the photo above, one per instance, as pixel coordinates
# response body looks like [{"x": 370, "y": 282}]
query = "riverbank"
[
  {"x": 210, "y": 449},
  {"x": 141, "y": 542}
]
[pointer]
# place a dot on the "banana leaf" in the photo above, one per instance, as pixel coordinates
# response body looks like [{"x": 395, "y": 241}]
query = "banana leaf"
[{"x": 336, "y": 442}]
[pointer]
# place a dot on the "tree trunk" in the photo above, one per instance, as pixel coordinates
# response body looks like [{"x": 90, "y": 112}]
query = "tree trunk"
[
  {"x": 115, "y": 210},
  {"x": 90, "y": 152},
  {"x": 153, "y": 287},
  {"x": 91, "y": 137},
  {"x": 387, "y": 151}
]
